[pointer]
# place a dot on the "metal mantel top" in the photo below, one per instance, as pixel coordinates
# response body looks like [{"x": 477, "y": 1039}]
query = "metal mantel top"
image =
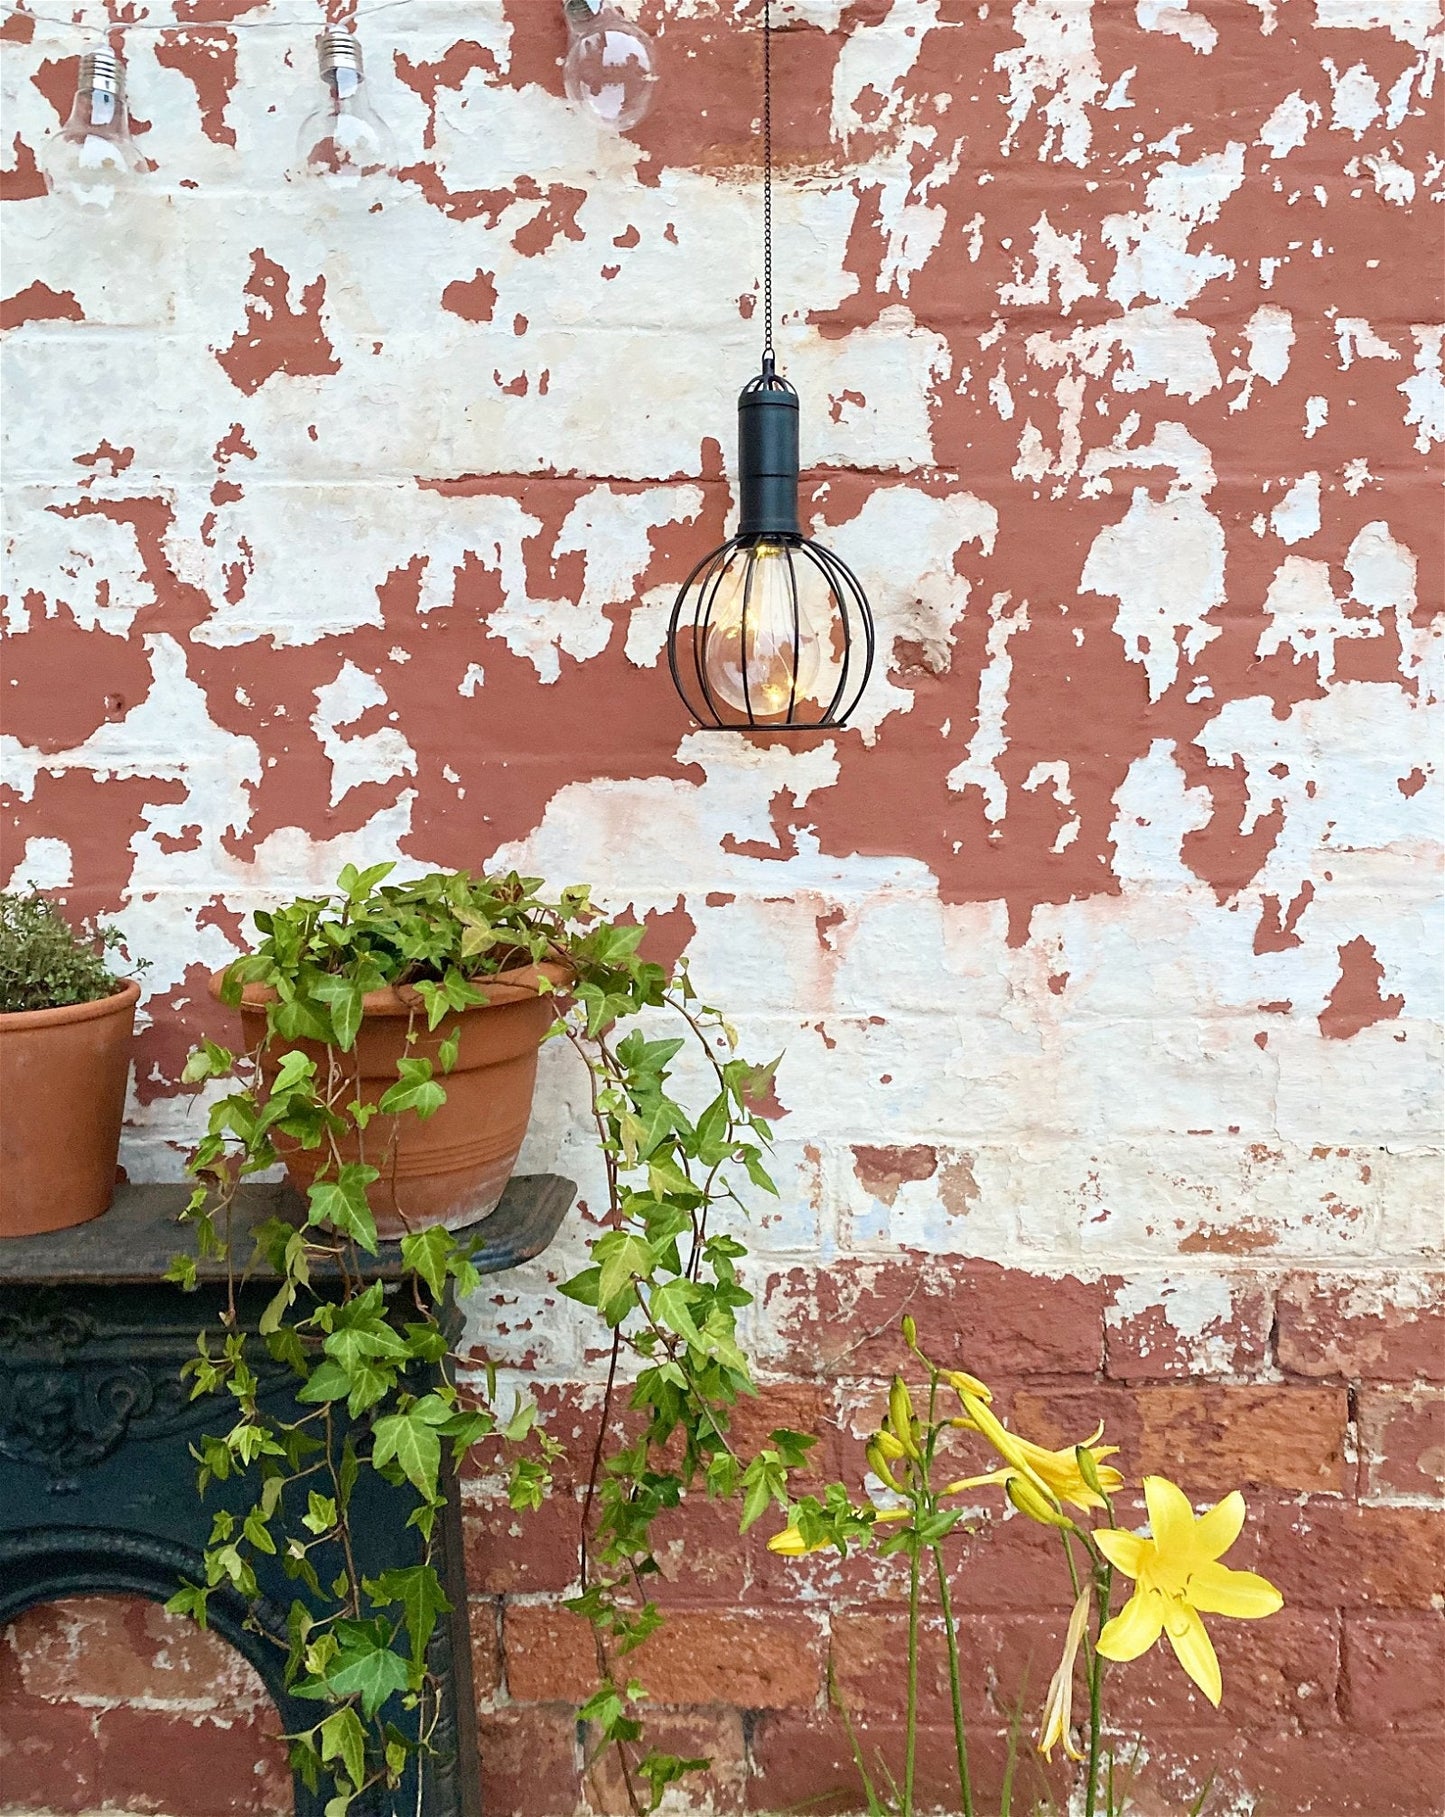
[{"x": 133, "y": 1242}]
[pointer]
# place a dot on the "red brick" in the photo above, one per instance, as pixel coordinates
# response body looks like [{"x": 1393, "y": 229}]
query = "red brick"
[
  {"x": 701, "y": 1557},
  {"x": 749, "y": 1659},
  {"x": 49, "y": 1758},
  {"x": 760, "y": 1659},
  {"x": 1395, "y": 1673},
  {"x": 484, "y": 1621},
  {"x": 1325, "y": 1775},
  {"x": 1211, "y": 1439},
  {"x": 1005, "y": 1664},
  {"x": 716, "y": 1737},
  {"x": 531, "y": 1763},
  {"x": 869, "y": 1660},
  {"x": 843, "y": 1320},
  {"x": 1147, "y": 1345},
  {"x": 550, "y": 1655},
  {"x": 1066, "y": 1414},
  {"x": 1282, "y": 1672},
  {"x": 153, "y": 1760},
  {"x": 1385, "y": 1329},
  {"x": 1402, "y": 1442},
  {"x": 806, "y": 1407},
  {"x": 109, "y": 1649},
  {"x": 1328, "y": 1555},
  {"x": 508, "y": 1552},
  {"x": 805, "y": 1762}
]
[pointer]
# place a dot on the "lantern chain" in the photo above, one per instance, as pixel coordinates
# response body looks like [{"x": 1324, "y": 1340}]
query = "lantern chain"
[{"x": 769, "y": 356}]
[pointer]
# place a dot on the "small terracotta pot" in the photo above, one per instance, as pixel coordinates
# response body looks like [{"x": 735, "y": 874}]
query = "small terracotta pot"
[
  {"x": 63, "y": 1076},
  {"x": 451, "y": 1169}
]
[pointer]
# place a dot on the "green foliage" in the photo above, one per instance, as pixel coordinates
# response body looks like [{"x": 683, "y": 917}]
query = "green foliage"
[
  {"x": 661, "y": 1280},
  {"x": 47, "y": 964}
]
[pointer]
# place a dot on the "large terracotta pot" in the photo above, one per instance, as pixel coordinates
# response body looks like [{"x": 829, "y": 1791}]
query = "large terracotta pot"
[
  {"x": 452, "y": 1168},
  {"x": 63, "y": 1076}
]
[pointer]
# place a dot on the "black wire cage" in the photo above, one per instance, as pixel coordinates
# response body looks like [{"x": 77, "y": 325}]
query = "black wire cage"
[{"x": 771, "y": 632}]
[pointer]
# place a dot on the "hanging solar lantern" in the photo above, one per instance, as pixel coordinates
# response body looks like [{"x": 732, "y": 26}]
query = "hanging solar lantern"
[{"x": 771, "y": 632}]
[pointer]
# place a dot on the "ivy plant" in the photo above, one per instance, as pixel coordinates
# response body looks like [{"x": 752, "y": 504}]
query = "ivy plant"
[{"x": 661, "y": 1280}]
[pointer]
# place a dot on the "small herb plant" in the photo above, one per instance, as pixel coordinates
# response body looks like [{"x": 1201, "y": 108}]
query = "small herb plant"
[
  {"x": 47, "y": 964},
  {"x": 662, "y": 1280}
]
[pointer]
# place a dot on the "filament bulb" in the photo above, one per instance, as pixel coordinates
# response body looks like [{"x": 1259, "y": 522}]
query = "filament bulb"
[
  {"x": 761, "y": 652},
  {"x": 93, "y": 159},
  {"x": 611, "y": 66},
  {"x": 344, "y": 142}
]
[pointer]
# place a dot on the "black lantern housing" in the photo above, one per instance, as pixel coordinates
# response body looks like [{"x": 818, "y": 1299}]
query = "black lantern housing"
[{"x": 771, "y": 632}]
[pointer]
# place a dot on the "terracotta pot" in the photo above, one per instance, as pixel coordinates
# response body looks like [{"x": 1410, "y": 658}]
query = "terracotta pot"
[
  {"x": 451, "y": 1169},
  {"x": 63, "y": 1076}
]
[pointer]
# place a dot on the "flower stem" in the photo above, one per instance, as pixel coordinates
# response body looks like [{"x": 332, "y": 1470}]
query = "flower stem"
[
  {"x": 912, "y": 1740},
  {"x": 955, "y": 1686},
  {"x": 1105, "y": 1580}
]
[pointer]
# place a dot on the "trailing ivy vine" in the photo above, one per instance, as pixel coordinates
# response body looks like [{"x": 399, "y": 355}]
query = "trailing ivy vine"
[{"x": 662, "y": 1279}]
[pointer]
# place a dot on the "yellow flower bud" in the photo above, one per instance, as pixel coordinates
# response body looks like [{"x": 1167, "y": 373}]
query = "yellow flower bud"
[
  {"x": 910, "y": 1332},
  {"x": 963, "y": 1383},
  {"x": 1032, "y": 1502},
  {"x": 888, "y": 1445},
  {"x": 900, "y": 1415},
  {"x": 791, "y": 1544},
  {"x": 878, "y": 1464}
]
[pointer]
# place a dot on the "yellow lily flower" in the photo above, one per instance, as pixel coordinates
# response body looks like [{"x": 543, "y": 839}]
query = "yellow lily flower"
[
  {"x": 1178, "y": 1577},
  {"x": 1056, "y": 1473},
  {"x": 1058, "y": 1720}
]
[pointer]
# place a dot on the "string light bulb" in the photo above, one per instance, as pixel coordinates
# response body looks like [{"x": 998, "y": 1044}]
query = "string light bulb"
[
  {"x": 611, "y": 66},
  {"x": 93, "y": 159},
  {"x": 344, "y": 142}
]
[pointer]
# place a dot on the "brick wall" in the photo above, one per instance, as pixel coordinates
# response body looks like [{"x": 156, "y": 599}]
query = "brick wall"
[
  {"x": 1105, "y": 954},
  {"x": 1334, "y": 1426}
]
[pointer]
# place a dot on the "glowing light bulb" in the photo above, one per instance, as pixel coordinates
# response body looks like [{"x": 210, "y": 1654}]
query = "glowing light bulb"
[
  {"x": 344, "y": 142},
  {"x": 611, "y": 66},
  {"x": 761, "y": 653},
  {"x": 93, "y": 159}
]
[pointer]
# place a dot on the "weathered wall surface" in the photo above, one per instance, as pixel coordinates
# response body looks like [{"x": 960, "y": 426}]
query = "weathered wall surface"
[{"x": 1106, "y": 953}]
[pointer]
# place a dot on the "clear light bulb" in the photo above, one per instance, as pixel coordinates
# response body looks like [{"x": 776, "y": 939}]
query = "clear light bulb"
[
  {"x": 93, "y": 159},
  {"x": 611, "y": 67},
  {"x": 344, "y": 142},
  {"x": 762, "y": 652}
]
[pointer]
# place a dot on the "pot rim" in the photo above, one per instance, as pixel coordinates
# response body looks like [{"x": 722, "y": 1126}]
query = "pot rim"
[
  {"x": 518, "y": 985},
  {"x": 20, "y": 1021}
]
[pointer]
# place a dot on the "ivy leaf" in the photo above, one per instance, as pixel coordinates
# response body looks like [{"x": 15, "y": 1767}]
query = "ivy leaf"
[
  {"x": 415, "y": 1089},
  {"x": 666, "y": 1177},
  {"x": 365, "y": 1666},
  {"x": 418, "y": 1589},
  {"x": 342, "y": 1203},
  {"x": 190, "y": 1600},
  {"x": 428, "y": 1253},
  {"x": 624, "y": 1257},
  {"x": 757, "y": 1173},
  {"x": 329, "y": 1382},
  {"x": 358, "y": 885},
  {"x": 670, "y": 1307},
  {"x": 412, "y": 1444},
  {"x": 583, "y": 1288},
  {"x": 344, "y": 1739},
  {"x": 369, "y": 1382}
]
